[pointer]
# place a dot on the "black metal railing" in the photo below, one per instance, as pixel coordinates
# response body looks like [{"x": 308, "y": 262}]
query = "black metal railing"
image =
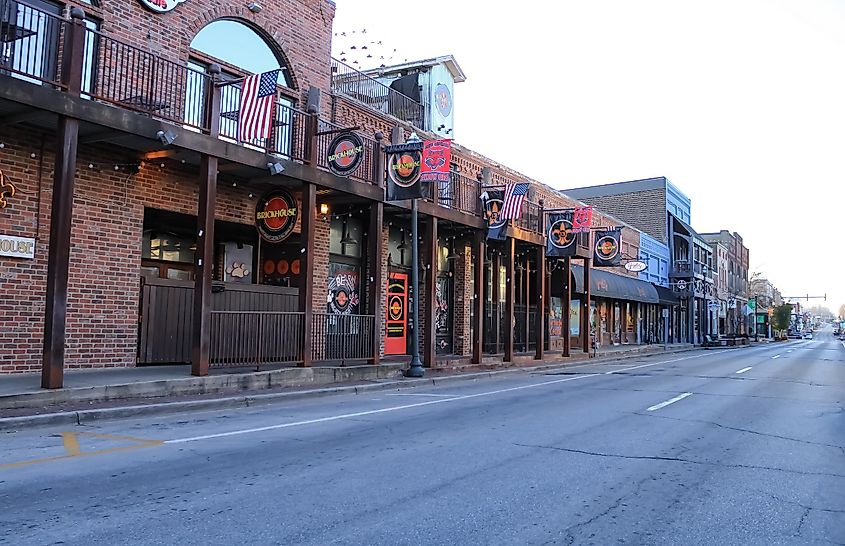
[
  {"x": 342, "y": 337},
  {"x": 255, "y": 338},
  {"x": 135, "y": 79},
  {"x": 287, "y": 127},
  {"x": 531, "y": 215},
  {"x": 375, "y": 94},
  {"x": 460, "y": 193},
  {"x": 31, "y": 42},
  {"x": 366, "y": 171}
]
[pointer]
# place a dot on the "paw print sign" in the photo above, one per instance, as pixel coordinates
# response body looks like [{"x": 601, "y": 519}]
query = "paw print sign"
[{"x": 237, "y": 270}]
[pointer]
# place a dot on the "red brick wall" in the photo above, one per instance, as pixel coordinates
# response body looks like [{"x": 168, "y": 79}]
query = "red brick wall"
[{"x": 102, "y": 312}]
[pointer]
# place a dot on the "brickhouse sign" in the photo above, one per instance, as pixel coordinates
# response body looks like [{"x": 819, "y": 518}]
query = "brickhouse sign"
[
  {"x": 161, "y": 6},
  {"x": 17, "y": 247},
  {"x": 345, "y": 153},
  {"x": 275, "y": 215}
]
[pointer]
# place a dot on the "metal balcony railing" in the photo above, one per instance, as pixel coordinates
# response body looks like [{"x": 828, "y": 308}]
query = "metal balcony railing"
[
  {"x": 255, "y": 338},
  {"x": 372, "y": 93},
  {"x": 342, "y": 337}
]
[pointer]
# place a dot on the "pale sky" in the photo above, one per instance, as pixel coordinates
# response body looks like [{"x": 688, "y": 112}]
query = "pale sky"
[{"x": 740, "y": 103}]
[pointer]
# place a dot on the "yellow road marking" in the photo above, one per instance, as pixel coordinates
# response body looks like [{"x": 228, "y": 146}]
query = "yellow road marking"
[{"x": 70, "y": 441}]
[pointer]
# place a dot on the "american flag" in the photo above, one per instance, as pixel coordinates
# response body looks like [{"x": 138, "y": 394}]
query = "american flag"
[
  {"x": 512, "y": 205},
  {"x": 258, "y": 95}
]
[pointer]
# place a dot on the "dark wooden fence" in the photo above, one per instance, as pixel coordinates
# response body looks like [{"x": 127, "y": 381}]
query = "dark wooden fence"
[{"x": 166, "y": 319}]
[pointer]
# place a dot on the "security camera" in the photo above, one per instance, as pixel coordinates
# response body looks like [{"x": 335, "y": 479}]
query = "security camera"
[{"x": 166, "y": 137}]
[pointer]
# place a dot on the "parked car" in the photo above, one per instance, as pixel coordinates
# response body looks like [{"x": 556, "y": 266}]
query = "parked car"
[{"x": 808, "y": 335}]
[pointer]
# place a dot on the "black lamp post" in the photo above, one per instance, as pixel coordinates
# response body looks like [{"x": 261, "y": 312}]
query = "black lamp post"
[{"x": 416, "y": 369}]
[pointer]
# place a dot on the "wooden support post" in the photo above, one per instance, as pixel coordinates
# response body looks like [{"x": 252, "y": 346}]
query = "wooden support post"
[
  {"x": 510, "y": 291},
  {"x": 204, "y": 256},
  {"x": 478, "y": 301},
  {"x": 526, "y": 298},
  {"x": 203, "y": 262},
  {"x": 306, "y": 291},
  {"x": 540, "y": 315},
  {"x": 61, "y": 212},
  {"x": 430, "y": 262},
  {"x": 375, "y": 235},
  {"x": 564, "y": 306},
  {"x": 585, "y": 307},
  {"x": 496, "y": 307}
]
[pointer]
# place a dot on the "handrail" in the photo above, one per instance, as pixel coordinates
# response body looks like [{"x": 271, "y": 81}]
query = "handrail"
[{"x": 375, "y": 94}]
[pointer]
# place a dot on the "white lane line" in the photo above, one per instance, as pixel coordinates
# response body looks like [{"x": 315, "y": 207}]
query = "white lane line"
[
  {"x": 421, "y": 394},
  {"x": 655, "y": 364},
  {"x": 776, "y": 356},
  {"x": 670, "y": 401},
  {"x": 372, "y": 412},
  {"x": 743, "y": 370},
  {"x": 406, "y": 406}
]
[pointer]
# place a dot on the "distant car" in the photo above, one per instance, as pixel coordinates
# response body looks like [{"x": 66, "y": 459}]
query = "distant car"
[{"x": 808, "y": 335}]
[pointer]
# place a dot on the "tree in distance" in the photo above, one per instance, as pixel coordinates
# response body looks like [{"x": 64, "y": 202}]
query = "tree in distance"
[{"x": 780, "y": 320}]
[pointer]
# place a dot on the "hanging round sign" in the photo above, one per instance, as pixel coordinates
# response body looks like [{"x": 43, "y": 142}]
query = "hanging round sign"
[
  {"x": 682, "y": 285},
  {"x": 607, "y": 248},
  {"x": 636, "y": 266},
  {"x": 345, "y": 153},
  {"x": 161, "y": 6},
  {"x": 275, "y": 216},
  {"x": 560, "y": 233},
  {"x": 403, "y": 168}
]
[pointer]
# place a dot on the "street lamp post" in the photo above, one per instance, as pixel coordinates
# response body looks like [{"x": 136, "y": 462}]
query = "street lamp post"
[{"x": 416, "y": 369}]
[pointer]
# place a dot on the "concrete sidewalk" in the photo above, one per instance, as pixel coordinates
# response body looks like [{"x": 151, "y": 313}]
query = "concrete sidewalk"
[{"x": 122, "y": 392}]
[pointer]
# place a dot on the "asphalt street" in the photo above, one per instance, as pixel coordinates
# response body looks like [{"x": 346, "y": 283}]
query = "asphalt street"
[{"x": 728, "y": 446}]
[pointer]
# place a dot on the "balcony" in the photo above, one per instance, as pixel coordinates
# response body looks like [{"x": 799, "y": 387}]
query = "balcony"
[
  {"x": 531, "y": 218},
  {"x": 681, "y": 268},
  {"x": 73, "y": 56},
  {"x": 376, "y": 95}
]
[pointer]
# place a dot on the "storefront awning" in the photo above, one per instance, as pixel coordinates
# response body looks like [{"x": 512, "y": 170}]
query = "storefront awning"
[
  {"x": 604, "y": 284},
  {"x": 667, "y": 296}
]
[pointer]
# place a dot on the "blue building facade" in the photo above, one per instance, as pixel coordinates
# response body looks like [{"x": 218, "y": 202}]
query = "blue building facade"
[{"x": 656, "y": 256}]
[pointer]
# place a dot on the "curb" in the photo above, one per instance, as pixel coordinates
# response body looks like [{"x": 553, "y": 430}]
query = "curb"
[{"x": 81, "y": 417}]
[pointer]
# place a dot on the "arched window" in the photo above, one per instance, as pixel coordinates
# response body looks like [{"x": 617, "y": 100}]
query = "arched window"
[{"x": 252, "y": 54}]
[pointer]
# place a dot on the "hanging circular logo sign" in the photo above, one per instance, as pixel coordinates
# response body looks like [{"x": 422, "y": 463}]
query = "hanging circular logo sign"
[
  {"x": 682, "y": 285},
  {"x": 161, "y": 6},
  {"x": 345, "y": 153},
  {"x": 275, "y": 216},
  {"x": 560, "y": 233},
  {"x": 443, "y": 99},
  {"x": 403, "y": 168},
  {"x": 607, "y": 248}
]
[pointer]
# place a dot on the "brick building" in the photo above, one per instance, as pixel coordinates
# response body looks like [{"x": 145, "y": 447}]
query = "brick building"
[
  {"x": 736, "y": 264},
  {"x": 136, "y": 204}
]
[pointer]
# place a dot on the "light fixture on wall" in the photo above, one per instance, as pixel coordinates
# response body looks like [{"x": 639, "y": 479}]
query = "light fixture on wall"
[
  {"x": 324, "y": 208},
  {"x": 254, "y": 7},
  {"x": 347, "y": 238},
  {"x": 452, "y": 255}
]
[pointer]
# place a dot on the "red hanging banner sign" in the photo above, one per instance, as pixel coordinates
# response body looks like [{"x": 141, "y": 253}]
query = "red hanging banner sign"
[
  {"x": 582, "y": 218},
  {"x": 435, "y": 161}
]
